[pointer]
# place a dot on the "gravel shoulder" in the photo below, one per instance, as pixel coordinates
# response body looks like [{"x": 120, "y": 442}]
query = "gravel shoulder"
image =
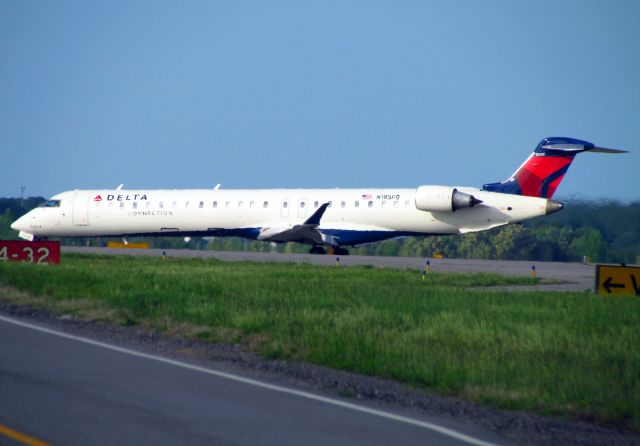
[{"x": 518, "y": 427}]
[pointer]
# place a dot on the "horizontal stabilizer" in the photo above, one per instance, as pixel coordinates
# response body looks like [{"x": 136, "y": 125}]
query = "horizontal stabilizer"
[{"x": 605, "y": 150}]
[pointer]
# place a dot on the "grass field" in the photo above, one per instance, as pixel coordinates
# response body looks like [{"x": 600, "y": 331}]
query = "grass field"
[{"x": 571, "y": 354}]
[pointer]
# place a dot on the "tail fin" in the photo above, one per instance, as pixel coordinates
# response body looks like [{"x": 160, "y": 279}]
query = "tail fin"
[{"x": 542, "y": 172}]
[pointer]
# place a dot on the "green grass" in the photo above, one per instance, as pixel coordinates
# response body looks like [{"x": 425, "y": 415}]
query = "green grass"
[{"x": 572, "y": 354}]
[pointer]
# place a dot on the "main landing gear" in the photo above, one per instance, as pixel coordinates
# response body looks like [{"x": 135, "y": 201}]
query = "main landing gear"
[
  {"x": 315, "y": 249},
  {"x": 338, "y": 251}
]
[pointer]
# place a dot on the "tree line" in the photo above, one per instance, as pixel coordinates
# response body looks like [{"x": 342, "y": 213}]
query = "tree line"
[{"x": 603, "y": 231}]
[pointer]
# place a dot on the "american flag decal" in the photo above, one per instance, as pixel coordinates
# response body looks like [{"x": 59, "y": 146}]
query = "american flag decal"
[{"x": 366, "y": 196}]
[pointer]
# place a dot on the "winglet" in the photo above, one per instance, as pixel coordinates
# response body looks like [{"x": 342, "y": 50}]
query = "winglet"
[{"x": 317, "y": 215}]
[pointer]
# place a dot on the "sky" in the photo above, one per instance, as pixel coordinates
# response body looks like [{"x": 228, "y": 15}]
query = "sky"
[{"x": 314, "y": 94}]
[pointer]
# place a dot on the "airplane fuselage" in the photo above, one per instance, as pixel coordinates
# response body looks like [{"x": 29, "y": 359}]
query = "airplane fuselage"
[{"x": 353, "y": 216}]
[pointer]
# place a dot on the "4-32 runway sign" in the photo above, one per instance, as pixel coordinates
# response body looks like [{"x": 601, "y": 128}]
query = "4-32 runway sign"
[
  {"x": 617, "y": 280},
  {"x": 32, "y": 252}
]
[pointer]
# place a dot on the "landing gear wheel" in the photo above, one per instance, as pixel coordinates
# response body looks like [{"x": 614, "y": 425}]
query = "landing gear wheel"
[{"x": 317, "y": 250}]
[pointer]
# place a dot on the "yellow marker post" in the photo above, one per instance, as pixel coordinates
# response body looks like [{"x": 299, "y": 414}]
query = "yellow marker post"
[
  {"x": 533, "y": 271},
  {"x": 7, "y": 432},
  {"x": 427, "y": 267},
  {"x": 337, "y": 261},
  {"x": 617, "y": 280},
  {"x": 112, "y": 244}
]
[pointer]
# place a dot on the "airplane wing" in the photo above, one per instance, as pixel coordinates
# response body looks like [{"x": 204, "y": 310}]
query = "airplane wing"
[{"x": 306, "y": 232}]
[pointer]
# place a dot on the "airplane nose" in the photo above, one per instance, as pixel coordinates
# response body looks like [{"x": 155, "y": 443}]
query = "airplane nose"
[
  {"x": 16, "y": 225},
  {"x": 20, "y": 224}
]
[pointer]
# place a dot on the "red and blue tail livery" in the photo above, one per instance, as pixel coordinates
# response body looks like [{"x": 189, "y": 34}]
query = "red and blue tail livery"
[{"x": 542, "y": 172}]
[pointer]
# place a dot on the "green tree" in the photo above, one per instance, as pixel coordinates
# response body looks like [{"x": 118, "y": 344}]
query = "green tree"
[
  {"x": 551, "y": 242},
  {"x": 589, "y": 242},
  {"x": 512, "y": 242},
  {"x": 6, "y": 233}
]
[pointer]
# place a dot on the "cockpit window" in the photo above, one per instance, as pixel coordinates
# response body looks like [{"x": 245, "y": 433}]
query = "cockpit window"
[{"x": 50, "y": 204}]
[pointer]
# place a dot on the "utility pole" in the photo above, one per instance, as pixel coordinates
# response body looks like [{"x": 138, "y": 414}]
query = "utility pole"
[{"x": 22, "y": 189}]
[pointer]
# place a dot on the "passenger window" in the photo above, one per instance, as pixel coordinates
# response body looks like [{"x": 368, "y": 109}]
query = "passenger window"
[
  {"x": 239, "y": 204},
  {"x": 135, "y": 205},
  {"x": 161, "y": 205},
  {"x": 396, "y": 204},
  {"x": 384, "y": 204},
  {"x": 122, "y": 205},
  {"x": 315, "y": 204},
  {"x": 111, "y": 204},
  {"x": 252, "y": 204},
  {"x": 329, "y": 205},
  {"x": 407, "y": 204},
  {"x": 265, "y": 204},
  {"x": 186, "y": 204},
  {"x": 201, "y": 204},
  {"x": 175, "y": 205},
  {"x": 228, "y": 204},
  {"x": 302, "y": 203},
  {"x": 215, "y": 204},
  {"x": 285, "y": 204},
  {"x": 356, "y": 204},
  {"x": 343, "y": 204},
  {"x": 148, "y": 204},
  {"x": 370, "y": 204}
]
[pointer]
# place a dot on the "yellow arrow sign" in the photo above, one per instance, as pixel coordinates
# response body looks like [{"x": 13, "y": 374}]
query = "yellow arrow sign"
[{"x": 617, "y": 280}]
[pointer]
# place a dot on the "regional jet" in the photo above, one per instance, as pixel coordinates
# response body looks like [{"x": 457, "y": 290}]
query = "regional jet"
[{"x": 326, "y": 219}]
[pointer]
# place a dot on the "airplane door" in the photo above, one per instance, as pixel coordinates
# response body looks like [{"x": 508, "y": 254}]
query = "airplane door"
[
  {"x": 80, "y": 210},
  {"x": 302, "y": 207},
  {"x": 284, "y": 211}
]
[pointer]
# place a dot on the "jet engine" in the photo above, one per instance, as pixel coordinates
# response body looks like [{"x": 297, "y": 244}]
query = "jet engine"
[{"x": 443, "y": 199}]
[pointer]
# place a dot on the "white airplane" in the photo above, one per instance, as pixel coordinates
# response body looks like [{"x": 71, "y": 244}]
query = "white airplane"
[{"x": 323, "y": 218}]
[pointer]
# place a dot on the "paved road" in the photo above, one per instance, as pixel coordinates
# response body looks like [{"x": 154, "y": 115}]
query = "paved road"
[
  {"x": 580, "y": 277},
  {"x": 63, "y": 389}
]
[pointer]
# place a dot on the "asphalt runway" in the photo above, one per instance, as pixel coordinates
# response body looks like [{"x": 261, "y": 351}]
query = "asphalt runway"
[
  {"x": 63, "y": 389},
  {"x": 578, "y": 277}
]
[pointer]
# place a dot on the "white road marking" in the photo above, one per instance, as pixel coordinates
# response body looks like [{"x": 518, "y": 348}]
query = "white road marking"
[{"x": 310, "y": 396}]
